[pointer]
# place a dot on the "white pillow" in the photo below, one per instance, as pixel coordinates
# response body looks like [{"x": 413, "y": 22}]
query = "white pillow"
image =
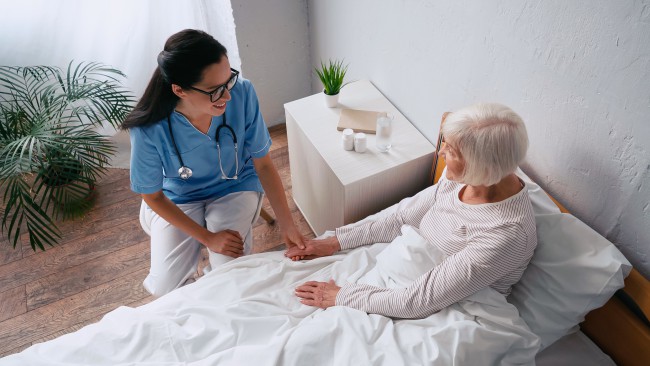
[
  {"x": 542, "y": 203},
  {"x": 573, "y": 271}
]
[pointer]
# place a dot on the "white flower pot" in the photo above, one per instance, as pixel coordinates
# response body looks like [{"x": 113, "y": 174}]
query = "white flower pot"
[{"x": 331, "y": 100}]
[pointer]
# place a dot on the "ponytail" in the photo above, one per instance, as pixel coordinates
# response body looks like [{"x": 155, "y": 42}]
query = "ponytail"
[{"x": 157, "y": 102}]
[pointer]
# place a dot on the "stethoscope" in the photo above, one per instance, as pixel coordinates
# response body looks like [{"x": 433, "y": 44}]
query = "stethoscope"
[{"x": 185, "y": 172}]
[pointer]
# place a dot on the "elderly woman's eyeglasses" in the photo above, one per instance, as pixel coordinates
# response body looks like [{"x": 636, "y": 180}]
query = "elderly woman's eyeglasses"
[
  {"x": 217, "y": 93},
  {"x": 445, "y": 146}
]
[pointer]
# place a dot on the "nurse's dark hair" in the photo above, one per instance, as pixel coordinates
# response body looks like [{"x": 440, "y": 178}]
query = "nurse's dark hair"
[{"x": 182, "y": 61}]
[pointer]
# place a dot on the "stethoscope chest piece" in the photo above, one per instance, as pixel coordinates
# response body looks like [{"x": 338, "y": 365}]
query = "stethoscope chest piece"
[{"x": 184, "y": 172}]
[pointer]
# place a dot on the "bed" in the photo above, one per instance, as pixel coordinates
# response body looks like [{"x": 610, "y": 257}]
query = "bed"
[{"x": 245, "y": 312}]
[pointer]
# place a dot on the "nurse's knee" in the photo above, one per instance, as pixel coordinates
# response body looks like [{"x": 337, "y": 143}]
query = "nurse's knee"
[
  {"x": 159, "y": 285},
  {"x": 145, "y": 218}
]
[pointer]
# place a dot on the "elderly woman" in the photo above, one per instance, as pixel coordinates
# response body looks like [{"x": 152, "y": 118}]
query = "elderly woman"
[{"x": 480, "y": 215}]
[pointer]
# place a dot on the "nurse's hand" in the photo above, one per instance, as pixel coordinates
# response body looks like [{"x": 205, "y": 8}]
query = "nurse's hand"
[
  {"x": 293, "y": 238},
  {"x": 314, "y": 249},
  {"x": 226, "y": 242}
]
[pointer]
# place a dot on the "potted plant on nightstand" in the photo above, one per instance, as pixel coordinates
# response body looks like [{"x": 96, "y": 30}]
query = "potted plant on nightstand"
[
  {"x": 50, "y": 151},
  {"x": 332, "y": 75}
]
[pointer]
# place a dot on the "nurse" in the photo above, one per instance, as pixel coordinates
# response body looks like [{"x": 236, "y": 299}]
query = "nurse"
[{"x": 199, "y": 158}]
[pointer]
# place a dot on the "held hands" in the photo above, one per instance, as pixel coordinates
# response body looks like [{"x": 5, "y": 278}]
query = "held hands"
[
  {"x": 293, "y": 238},
  {"x": 319, "y": 294},
  {"x": 314, "y": 249},
  {"x": 226, "y": 242}
]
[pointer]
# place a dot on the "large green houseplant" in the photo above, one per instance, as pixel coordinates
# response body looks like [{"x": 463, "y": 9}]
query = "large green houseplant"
[{"x": 50, "y": 151}]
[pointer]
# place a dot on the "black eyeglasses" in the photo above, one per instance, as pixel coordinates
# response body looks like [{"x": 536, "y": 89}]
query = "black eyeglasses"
[{"x": 218, "y": 91}]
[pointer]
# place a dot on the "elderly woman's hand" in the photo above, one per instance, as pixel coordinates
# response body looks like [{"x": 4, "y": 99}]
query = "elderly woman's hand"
[
  {"x": 319, "y": 294},
  {"x": 314, "y": 249}
]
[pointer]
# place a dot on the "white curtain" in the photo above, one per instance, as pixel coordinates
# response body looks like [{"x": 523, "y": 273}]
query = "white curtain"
[{"x": 125, "y": 34}]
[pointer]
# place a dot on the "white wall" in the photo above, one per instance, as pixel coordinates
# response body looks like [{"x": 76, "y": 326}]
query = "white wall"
[
  {"x": 124, "y": 34},
  {"x": 273, "y": 39},
  {"x": 576, "y": 71}
]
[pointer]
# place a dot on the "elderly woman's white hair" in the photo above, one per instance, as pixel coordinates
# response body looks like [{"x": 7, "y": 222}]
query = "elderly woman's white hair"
[{"x": 491, "y": 138}]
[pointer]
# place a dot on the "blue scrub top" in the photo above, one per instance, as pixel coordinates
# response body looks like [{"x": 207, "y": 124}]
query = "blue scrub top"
[{"x": 155, "y": 164}]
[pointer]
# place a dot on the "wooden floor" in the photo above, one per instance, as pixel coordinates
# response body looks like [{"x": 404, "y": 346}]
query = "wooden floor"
[{"x": 100, "y": 263}]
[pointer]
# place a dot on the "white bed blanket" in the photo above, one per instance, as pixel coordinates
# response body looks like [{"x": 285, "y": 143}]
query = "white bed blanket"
[{"x": 246, "y": 313}]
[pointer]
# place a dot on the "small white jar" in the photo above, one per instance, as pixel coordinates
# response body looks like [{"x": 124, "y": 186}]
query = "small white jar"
[
  {"x": 347, "y": 139},
  {"x": 360, "y": 142}
]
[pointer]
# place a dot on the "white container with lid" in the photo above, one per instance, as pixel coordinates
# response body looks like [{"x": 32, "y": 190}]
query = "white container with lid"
[
  {"x": 360, "y": 142},
  {"x": 347, "y": 139}
]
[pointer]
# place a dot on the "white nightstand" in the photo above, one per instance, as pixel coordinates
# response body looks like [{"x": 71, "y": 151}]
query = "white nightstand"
[{"x": 333, "y": 187}]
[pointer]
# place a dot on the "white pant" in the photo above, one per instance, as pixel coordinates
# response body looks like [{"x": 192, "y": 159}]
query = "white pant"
[{"x": 174, "y": 254}]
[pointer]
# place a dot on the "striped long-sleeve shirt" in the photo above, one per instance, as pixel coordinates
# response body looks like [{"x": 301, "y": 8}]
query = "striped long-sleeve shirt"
[{"x": 487, "y": 245}]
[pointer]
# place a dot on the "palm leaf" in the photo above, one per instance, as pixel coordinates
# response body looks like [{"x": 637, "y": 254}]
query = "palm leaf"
[{"x": 20, "y": 209}]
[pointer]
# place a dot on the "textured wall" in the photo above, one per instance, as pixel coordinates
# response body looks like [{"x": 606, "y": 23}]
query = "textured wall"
[
  {"x": 577, "y": 72},
  {"x": 273, "y": 39}
]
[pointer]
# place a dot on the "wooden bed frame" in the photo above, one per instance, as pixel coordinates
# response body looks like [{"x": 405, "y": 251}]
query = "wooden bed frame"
[{"x": 620, "y": 328}]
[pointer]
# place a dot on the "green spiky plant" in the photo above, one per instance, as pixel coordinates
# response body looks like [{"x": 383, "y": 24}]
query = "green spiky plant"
[
  {"x": 332, "y": 75},
  {"x": 51, "y": 154}
]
